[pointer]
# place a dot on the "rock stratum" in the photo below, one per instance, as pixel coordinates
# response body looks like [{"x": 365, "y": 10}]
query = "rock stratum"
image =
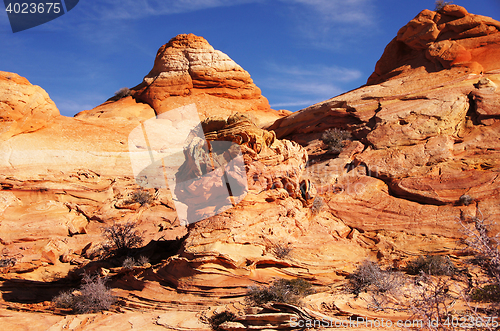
[
  {"x": 189, "y": 70},
  {"x": 425, "y": 134}
]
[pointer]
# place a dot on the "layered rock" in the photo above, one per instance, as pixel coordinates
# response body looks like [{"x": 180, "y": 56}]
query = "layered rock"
[
  {"x": 425, "y": 153},
  {"x": 428, "y": 131},
  {"x": 189, "y": 70},
  {"x": 23, "y": 107},
  {"x": 432, "y": 41}
]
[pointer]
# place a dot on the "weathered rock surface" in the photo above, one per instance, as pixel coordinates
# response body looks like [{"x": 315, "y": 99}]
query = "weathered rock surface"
[
  {"x": 189, "y": 70},
  {"x": 428, "y": 129},
  {"x": 23, "y": 107},
  {"x": 424, "y": 136},
  {"x": 432, "y": 41}
]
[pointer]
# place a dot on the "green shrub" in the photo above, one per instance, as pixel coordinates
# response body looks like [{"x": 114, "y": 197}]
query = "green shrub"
[
  {"x": 281, "y": 290},
  {"x": 436, "y": 265},
  {"x": 334, "y": 139}
]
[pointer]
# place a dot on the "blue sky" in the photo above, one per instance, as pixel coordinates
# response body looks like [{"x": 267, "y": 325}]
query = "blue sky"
[{"x": 298, "y": 52}]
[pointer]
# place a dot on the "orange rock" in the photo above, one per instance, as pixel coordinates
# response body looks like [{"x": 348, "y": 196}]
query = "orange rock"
[
  {"x": 23, "y": 107},
  {"x": 441, "y": 40}
]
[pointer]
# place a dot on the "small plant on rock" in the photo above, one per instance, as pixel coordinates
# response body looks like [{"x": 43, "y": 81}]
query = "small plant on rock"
[
  {"x": 122, "y": 237},
  {"x": 317, "y": 205},
  {"x": 465, "y": 200},
  {"x": 141, "y": 196},
  {"x": 334, "y": 139},
  {"x": 122, "y": 93},
  {"x": 440, "y": 4},
  {"x": 436, "y": 265},
  {"x": 93, "y": 296},
  {"x": 217, "y": 319},
  {"x": 281, "y": 290},
  {"x": 281, "y": 250}
]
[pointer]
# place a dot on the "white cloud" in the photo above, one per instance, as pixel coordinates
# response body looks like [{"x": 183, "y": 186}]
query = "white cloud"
[
  {"x": 301, "y": 86},
  {"x": 346, "y": 11},
  {"x": 133, "y": 9},
  {"x": 295, "y": 103}
]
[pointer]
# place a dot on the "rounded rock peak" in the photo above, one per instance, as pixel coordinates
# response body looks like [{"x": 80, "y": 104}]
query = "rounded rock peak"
[{"x": 188, "y": 41}]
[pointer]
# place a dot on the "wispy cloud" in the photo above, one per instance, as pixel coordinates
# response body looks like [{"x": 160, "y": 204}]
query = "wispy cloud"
[
  {"x": 133, "y": 9},
  {"x": 299, "y": 86},
  {"x": 332, "y": 24}
]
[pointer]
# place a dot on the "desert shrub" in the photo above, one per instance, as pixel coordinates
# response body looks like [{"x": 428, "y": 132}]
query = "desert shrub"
[
  {"x": 281, "y": 290},
  {"x": 64, "y": 300},
  {"x": 93, "y": 296},
  {"x": 281, "y": 250},
  {"x": 141, "y": 196},
  {"x": 465, "y": 200},
  {"x": 487, "y": 293},
  {"x": 142, "y": 260},
  {"x": 369, "y": 276},
  {"x": 484, "y": 246},
  {"x": 318, "y": 204},
  {"x": 122, "y": 93},
  {"x": 130, "y": 262},
  {"x": 8, "y": 262},
  {"x": 334, "y": 139},
  {"x": 436, "y": 265},
  {"x": 122, "y": 237},
  {"x": 217, "y": 319},
  {"x": 440, "y": 4}
]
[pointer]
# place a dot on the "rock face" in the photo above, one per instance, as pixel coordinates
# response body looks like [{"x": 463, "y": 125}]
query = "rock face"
[
  {"x": 189, "y": 70},
  {"x": 428, "y": 131},
  {"x": 23, "y": 107},
  {"x": 432, "y": 41},
  {"x": 425, "y": 152}
]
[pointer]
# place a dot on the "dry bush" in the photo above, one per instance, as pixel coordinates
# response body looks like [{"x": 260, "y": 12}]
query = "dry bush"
[
  {"x": 486, "y": 255},
  {"x": 129, "y": 262},
  {"x": 141, "y": 196},
  {"x": 217, "y": 319},
  {"x": 8, "y": 262},
  {"x": 122, "y": 93},
  {"x": 440, "y": 4},
  {"x": 94, "y": 296},
  {"x": 281, "y": 250},
  {"x": 281, "y": 290},
  {"x": 122, "y": 237},
  {"x": 317, "y": 205},
  {"x": 436, "y": 265},
  {"x": 370, "y": 277},
  {"x": 334, "y": 139}
]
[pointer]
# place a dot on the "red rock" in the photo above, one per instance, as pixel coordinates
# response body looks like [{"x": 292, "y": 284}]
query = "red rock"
[
  {"x": 441, "y": 40},
  {"x": 23, "y": 107}
]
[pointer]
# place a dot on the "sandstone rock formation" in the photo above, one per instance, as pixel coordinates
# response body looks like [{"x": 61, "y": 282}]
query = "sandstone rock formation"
[
  {"x": 425, "y": 152},
  {"x": 428, "y": 132},
  {"x": 23, "y": 107},
  {"x": 432, "y": 41},
  {"x": 189, "y": 70}
]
